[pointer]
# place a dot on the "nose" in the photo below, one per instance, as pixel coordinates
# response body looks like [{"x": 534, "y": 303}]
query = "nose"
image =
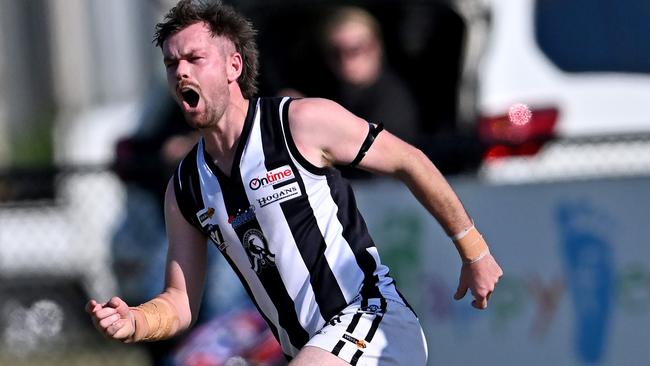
[{"x": 182, "y": 70}]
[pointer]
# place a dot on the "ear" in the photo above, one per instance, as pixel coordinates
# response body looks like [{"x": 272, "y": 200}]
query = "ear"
[{"x": 234, "y": 66}]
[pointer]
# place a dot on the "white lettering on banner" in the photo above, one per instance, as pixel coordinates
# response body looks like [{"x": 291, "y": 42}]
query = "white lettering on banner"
[{"x": 282, "y": 194}]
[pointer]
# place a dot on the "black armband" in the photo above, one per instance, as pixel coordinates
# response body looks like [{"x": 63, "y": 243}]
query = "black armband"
[{"x": 370, "y": 138}]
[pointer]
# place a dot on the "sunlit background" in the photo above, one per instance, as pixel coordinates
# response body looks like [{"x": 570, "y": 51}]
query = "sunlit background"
[{"x": 88, "y": 138}]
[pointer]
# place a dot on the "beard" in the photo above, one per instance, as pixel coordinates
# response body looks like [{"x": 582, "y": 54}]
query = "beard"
[
  {"x": 201, "y": 120},
  {"x": 207, "y": 117}
]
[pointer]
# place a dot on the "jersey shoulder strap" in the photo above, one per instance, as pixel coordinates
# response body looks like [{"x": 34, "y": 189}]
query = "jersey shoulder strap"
[{"x": 187, "y": 188}]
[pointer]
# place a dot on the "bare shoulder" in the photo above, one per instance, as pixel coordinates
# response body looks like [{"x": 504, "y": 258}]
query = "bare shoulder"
[
  {"x": 324, "y": 131},
  {"x": 313, "y": 112},
  {"x": 302, "y": 107}
]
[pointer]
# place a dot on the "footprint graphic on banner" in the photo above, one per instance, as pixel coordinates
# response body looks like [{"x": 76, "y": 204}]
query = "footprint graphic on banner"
[{"x": 587, "y": 251}]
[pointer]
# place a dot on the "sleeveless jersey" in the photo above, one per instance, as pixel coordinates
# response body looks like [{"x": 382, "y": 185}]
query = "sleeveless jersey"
[{"x": 290, "y": 230}]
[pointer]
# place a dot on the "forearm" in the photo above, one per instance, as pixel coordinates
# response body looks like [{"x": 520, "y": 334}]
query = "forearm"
[{"x": 434, "y": 193}]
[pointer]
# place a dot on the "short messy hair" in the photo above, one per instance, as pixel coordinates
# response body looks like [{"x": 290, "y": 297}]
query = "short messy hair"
[{"x": 223, "y": 20}]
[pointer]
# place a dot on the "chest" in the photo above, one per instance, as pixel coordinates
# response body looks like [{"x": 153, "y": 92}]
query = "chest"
[{"x": 256, "y": 194}]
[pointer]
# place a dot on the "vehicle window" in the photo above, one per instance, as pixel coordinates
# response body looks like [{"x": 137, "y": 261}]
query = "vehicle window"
[{"x": 595, "y": 35}]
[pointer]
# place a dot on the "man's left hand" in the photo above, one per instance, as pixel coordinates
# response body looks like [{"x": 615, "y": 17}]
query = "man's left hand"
[{"x": 480, "y": 278}]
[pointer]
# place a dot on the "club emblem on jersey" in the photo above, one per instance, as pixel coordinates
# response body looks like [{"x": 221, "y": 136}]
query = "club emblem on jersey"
[{"x": 258, "y": 250}]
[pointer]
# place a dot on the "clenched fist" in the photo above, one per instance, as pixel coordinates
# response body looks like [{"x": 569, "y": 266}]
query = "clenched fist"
[{"x": 114, "y": 319}]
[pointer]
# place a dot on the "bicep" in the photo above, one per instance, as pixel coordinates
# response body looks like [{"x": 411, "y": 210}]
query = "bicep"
[
  {"x": 186, "y": 256},
  {"x": 389, "y": 155},
  {"x": 328, "y": 134},
  {"x": 324, "y": 132}
]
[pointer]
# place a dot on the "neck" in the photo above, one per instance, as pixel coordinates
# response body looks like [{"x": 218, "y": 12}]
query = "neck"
[{"x": 221, "y": 140}]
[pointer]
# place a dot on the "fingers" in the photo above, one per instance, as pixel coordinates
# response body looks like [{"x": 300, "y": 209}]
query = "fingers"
[
  {"x": 460, "y": 292},
  {"x": 120, "y": 306},
  {"x": 100, "y": 315},
  {"x": 92, "y": 306},
  {"x": 118, "y": 329},
  {"x": 480, "y": 278},
  {"x": 111, "y": 318},
  {"x": 481, "y": 302}
]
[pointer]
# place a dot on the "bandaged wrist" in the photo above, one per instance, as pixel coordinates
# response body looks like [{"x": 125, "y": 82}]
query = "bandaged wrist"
[
  {"x": 470, "y": 245},
  {"x": 154, "y": 320},
  {"x": 461, "y": 234}
]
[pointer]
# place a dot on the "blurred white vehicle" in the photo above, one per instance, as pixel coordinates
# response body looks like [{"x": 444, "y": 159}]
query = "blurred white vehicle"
[{"x": 583, "y": 69}]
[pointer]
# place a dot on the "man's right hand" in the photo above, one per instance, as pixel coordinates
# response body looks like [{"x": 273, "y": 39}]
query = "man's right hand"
[{"x": 114, "y": 319}]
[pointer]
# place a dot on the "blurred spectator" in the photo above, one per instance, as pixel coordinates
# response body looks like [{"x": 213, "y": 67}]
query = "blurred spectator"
[
  {"x": 351, "y": 41},
  {"x": 368, "y": 87},
  {"x": 419, "y": 54}
]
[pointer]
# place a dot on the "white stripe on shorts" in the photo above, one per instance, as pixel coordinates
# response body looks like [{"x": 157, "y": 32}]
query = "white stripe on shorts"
[{"x": 374, "y": 332}]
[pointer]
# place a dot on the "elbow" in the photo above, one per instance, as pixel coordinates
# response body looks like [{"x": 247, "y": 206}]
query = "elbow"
[{"x": 413, "y": 162}]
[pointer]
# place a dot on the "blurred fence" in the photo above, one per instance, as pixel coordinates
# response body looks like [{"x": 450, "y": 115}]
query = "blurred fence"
[{"x": 55, "y": 225}]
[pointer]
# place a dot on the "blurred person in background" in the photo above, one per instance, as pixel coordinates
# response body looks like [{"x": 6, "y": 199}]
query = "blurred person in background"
[
  {"x": 368, "y": 86},
  {"x": 261, "y": 184},
  {"x": 352, "y": 45}
]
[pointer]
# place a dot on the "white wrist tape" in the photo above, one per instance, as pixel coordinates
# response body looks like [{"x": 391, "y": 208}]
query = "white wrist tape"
[{"x": 462, "y": 233}]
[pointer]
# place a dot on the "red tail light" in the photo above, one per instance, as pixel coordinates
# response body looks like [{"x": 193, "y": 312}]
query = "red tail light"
[{"x": 505, "y": 138}]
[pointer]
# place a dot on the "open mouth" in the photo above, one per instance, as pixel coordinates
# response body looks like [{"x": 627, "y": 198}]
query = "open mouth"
[{"x": 191, "y": 97}]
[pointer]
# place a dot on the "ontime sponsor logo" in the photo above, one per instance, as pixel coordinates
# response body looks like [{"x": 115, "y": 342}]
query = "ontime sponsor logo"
[{"x": 272, "y": 177}]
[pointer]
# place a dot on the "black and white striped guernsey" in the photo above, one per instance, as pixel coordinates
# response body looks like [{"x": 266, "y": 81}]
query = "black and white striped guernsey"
[{"x": 290, "y": 230}]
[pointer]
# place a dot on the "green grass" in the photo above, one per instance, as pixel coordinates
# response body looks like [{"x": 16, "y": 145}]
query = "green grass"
[{"x": 97, "y": 355}]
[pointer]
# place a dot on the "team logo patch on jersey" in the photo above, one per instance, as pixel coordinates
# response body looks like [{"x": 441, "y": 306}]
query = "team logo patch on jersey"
[
  {"x": 217, "y": 237},
  {"x": 285, "y": 193},
  {"x": 242, "y": 217},
  {"x": 205, "y": 214},
  {"x": 258, "y": 251},
  {"x": 275, "y": 176}
]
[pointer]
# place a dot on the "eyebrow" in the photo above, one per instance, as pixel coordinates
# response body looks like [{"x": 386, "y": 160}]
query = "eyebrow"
[{"x": 192, "y": 52}]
